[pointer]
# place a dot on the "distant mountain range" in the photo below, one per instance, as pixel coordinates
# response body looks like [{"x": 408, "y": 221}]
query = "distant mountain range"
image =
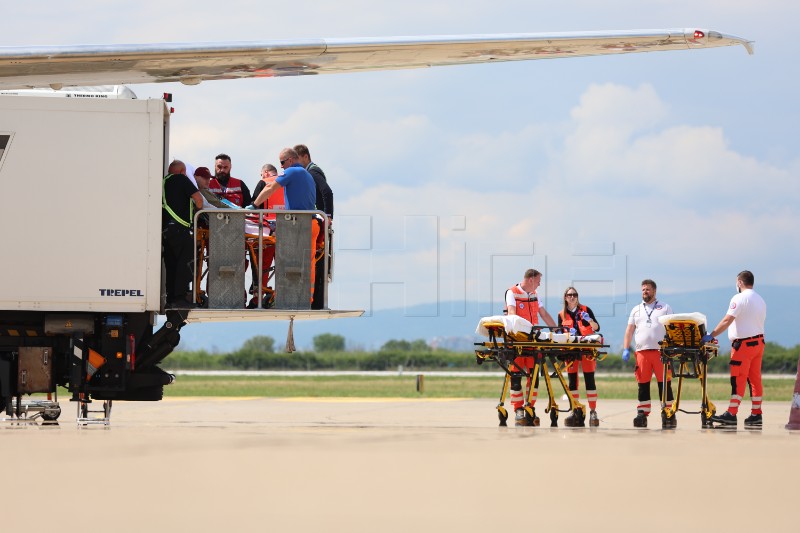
[{"x": 437, "y": 325}]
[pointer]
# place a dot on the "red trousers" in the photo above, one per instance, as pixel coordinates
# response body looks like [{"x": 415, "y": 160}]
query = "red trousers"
[
  {"x": 648, "y": 362},
  {"x": 746, "y": 366}
]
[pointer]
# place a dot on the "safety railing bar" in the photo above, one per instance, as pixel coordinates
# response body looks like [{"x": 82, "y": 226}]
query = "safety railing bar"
[{"x": 261, "y": 236}]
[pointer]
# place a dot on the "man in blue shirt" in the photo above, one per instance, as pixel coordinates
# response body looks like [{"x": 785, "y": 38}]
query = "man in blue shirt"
[
  {"x": 299, "y": 191},
  {"x": 298, "y": 185}
]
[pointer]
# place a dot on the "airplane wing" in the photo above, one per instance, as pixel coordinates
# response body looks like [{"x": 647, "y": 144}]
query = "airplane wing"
[{"x": 91, "y": 65}]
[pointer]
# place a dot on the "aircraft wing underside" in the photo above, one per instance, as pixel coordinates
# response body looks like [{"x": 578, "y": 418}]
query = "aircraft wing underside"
[{"x": 91, "y": 65}]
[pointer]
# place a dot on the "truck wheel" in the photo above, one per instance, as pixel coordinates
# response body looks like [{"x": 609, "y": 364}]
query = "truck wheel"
[{"x": 51, "y": 414}]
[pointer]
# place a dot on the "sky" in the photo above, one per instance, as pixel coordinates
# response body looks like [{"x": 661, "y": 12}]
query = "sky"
[{"x": 450, "y": 182}]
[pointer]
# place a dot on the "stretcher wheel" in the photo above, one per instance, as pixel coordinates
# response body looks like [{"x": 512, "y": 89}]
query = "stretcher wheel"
[
  {"x": 202, "y": 301},
  {"x": 553, "y": 418},
  {"x": 502, "y": 414},
  {"x": 705, "y": 418}
]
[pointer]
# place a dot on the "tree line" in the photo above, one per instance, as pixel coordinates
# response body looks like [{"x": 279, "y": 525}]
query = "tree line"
[{"x": 329, "y": 353}]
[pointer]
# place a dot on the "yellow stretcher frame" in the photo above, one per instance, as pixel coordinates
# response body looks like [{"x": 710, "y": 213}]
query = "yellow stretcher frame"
[
  {"x": 503, "y": 348},
  {"x": 685, "y": 355}
]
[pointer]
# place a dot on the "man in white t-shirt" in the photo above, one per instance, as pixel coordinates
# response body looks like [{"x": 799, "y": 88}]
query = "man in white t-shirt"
[
  {"x": 648, "y": 332},
  {"x": 745, "y": 324}
]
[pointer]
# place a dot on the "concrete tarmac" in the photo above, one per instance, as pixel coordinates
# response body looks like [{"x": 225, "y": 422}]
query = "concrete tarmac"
[{"x": 361, "y": 465}]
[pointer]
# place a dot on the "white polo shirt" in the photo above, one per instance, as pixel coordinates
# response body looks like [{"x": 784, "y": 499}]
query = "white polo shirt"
[
  {"x": 749, "y": 311},
  {"x": 648, "y": 329}
]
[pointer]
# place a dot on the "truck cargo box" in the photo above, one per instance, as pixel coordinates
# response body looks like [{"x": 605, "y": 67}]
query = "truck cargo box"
[{"x": 81, "y": 213}]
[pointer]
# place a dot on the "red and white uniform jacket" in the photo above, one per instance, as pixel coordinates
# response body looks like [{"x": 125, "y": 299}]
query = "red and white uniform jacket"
[
  {"x": 232, "y": 193},
  {"x": 526, "y": 304}
]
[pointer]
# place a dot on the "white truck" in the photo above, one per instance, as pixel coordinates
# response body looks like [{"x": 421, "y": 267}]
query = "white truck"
[{"x": 81, "y": 275}]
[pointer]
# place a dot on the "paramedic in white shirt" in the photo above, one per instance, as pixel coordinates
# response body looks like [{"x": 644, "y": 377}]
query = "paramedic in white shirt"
[
  {"x": 745, "y": 324},
  {"x": 648, "y": 330}
]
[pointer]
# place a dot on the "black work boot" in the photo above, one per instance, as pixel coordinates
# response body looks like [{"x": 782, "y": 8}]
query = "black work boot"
[
  {"x": 753, "y": 421},
  {"x": 727, "y": 419}
]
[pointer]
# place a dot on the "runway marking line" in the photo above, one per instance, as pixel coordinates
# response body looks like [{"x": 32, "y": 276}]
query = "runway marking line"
[
  {"x": 322, "y": 399},
  {"x": 211, "y": 398},
  {"x": 365, "y": 400}
]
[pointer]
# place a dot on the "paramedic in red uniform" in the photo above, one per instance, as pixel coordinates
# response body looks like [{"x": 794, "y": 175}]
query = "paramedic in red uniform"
[
  {"x": 522, "y": 300},
  {"x": 223, "y": 185},
  {"x": 276, "y": 201},
  {"x": 745, "y": 324},
  {"x": 579, "y": 319},
  {"x": 643, "y": 320}
]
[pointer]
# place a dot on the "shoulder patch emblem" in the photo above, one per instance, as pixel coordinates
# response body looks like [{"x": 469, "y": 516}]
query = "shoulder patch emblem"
[{"x": 733, "y": 305}]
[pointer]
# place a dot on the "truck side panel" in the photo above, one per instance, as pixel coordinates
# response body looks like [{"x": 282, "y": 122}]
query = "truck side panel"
[{"x": 81, "y": 214}]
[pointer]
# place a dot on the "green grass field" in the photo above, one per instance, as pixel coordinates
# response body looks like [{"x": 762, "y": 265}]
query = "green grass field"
[{"x": 622, "y": 388}]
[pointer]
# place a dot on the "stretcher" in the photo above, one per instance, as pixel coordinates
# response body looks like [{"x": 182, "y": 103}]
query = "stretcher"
[
  {"x": 685, "y": 356},
  {"x": 524, "y": 350}
]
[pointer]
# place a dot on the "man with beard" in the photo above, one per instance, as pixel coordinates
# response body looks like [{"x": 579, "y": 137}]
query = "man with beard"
[
  {"x": 648, "y": 332},
  {"x": 223, "y": 185}
]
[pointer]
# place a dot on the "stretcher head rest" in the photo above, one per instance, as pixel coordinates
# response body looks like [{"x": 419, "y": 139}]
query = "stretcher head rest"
[
  {"x": 684, "y": 328},
  {"x": 511, "y": 324},
  {"x": 693, "y": 318}
]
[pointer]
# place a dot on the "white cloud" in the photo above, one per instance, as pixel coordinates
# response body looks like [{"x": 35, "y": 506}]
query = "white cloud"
[{"x": 677, "y": 200}]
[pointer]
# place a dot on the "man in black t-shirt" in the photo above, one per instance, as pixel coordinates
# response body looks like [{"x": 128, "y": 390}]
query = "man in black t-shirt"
[{"x": 179, "y": 200}]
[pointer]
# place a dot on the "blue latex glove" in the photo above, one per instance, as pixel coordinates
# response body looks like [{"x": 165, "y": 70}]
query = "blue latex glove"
[
  {"x": 573, "y": 331},
  {"x": 251, "y": 207},
  {"x": 706, "y": 338},
  {"x": 626, "y": 354},
  {"x": 585, "y": 316}
]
